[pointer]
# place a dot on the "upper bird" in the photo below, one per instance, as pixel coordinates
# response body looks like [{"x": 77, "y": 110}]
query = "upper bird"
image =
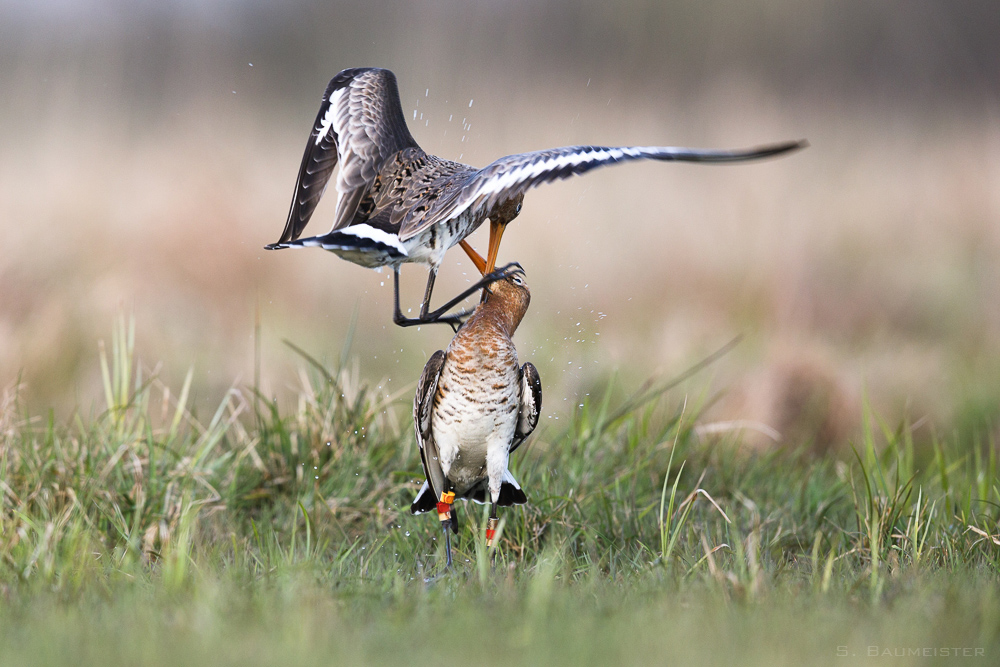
[
  {"x": 474, "y": 406},
  {"x": 396, "y": 203}
]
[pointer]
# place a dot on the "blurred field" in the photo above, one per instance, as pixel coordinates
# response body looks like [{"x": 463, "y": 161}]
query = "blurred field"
[
  {"x": 147, "y": 154},
  {"x": 149, "y": 151}
]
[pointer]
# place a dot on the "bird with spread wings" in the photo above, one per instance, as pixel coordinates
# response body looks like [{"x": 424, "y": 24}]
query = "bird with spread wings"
[{"x": 398, "y": 204}]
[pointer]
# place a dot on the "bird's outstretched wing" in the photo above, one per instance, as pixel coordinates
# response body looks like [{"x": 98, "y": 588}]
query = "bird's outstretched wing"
[
  {"x": 423, "y": 404},
  {"x": 360, "y": 124},
  {"x": 515, "y": 174},
  {"x": 530, "y": 407}
]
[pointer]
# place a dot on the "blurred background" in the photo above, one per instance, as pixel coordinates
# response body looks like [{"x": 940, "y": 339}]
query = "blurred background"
[{"x": 148, "y": 152}]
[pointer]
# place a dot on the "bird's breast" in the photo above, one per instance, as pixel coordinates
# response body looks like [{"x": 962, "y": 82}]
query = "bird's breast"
[
  {"x": 430, "y": 245},
  {"x": 476, "y": 404}
]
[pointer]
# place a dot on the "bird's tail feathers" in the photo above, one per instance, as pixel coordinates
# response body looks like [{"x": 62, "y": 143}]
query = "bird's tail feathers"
[
  {"x": 510, "y": 492},
  {"x": 425, "y": 500},
  {"x": 355, "y": 241}
]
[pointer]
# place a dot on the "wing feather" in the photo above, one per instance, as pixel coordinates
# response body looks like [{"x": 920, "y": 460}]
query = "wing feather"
[
  {"x": 423, "y": 404},
  {"x": 530, "y": 405},
  {"x": 360, "y": 125},
  {"x": 515, "y": 174}
]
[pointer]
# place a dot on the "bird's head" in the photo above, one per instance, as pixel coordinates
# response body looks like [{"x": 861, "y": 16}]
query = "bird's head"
[
  {"x": 510, "y": 295},
  {"x": 510, "y": 208}
]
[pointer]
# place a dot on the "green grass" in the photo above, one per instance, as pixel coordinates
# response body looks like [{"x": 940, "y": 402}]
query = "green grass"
[{"x": 149, "y": 535}]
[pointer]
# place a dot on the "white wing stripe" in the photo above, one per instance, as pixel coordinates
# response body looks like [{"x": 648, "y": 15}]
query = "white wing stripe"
[
  {"x": 328, "y": 117},
  {"x": 364, "y": 231},
  {"x": 529, "y": 171},
  {"x": 340, "y": 119}
]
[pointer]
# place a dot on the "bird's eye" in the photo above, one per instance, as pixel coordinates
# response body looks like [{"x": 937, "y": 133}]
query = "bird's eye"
[{"x": 518, "y": 209}]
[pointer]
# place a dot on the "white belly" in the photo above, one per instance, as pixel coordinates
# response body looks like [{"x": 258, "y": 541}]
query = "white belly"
[{"x": 474, "y": 420}]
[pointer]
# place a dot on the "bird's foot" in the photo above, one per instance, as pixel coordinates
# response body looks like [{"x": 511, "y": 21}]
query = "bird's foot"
[
  {"x": 441, "y": 316},
  {"x": 455, "y": 321},
  {"x": 503, "y": 272}
]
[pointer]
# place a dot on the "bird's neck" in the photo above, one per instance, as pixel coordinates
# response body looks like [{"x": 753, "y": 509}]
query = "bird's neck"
[{"x": 498, "y": 312}]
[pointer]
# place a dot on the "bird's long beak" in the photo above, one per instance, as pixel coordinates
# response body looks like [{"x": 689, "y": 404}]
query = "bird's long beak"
[
  {"x": 496, "y": 233},
  {"x": 476, "y": 258}
]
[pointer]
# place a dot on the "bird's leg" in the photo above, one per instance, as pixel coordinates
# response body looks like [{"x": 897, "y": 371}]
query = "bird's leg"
[
  {"x": 447, "y": 542},
  {"x": 454, "y": 320},
  {"x": 488, "y": 279},
  {"x": 440, "y": 315},
  {"x": 426, "y": 303},
  {"x": 491, "y": 533},
  {"x": 397, "y": 314},
  {"x": 424, "y": 318},
  {"x": 491, "y": 525},
  {"x": 444, "y": 515}
]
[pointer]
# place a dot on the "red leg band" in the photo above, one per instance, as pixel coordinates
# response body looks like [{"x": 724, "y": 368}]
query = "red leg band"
[{"x": 491, "y": 530}]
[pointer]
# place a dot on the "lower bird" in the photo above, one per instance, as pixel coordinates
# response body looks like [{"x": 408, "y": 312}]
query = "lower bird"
[
  {"x": 398, "y": 204},
  {"x": 474, "y": 406}
]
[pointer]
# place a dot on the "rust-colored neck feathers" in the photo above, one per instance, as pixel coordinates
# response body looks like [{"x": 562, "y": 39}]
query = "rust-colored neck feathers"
[{"x": 505, "y": 306}]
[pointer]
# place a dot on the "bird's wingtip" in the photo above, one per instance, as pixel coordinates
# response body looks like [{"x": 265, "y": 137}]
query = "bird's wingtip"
[
  {"x": 275, "y": 246},
  {"x": 784, "y": 148}
]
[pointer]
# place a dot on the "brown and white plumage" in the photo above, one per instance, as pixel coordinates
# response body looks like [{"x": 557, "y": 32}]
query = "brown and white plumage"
[
  {"x": 475, "y": 405},
  {"x": 398, "y": 204}
]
